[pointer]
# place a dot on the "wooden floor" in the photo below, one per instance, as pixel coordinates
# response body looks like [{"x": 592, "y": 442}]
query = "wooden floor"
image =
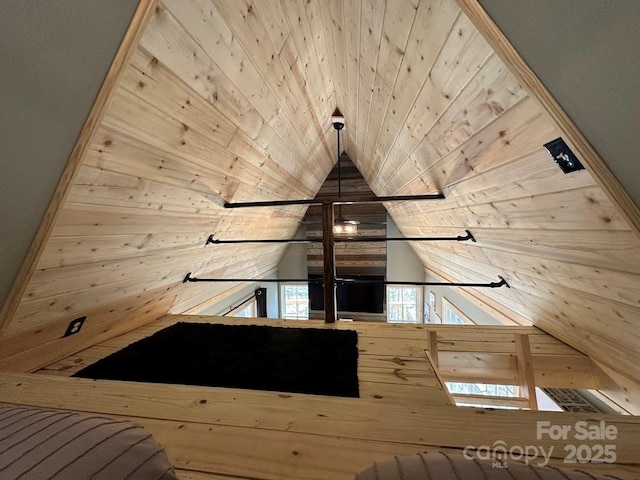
[
  {"x": 218, "y": 433},
  {"x": 392, "y": 366}
]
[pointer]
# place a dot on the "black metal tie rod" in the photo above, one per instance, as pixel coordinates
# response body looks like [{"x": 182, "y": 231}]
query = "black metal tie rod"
[
  {"x": 189, "y": 278},
  {"x": 336, "y": 200},
  {"x": 459, "y": 238},
  {"x": 212, "y": 240},
  {"x": 501, "y": 283}
]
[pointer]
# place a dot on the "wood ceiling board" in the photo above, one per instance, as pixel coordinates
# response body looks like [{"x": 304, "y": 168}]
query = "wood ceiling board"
[
  {"x": 449, "y": 75},
  {"x": 518, "y": 132},
  {"x": 372, "y": 17},
  {"x": 250, "y": 31},
  {"x": 253, "y": 119},
  {"x": 431, "y": 28},
  {"x": 332, "y": 14},
  {"x": 396, "y": 27}
]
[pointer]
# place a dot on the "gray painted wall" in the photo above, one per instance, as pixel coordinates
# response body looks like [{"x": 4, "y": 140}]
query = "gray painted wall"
[
  {"x": 403, "y": 265},
  {"x": 586, "y": 52},
  {"x": 293, "y": 263},
  {"x": 54, "y": 57}
]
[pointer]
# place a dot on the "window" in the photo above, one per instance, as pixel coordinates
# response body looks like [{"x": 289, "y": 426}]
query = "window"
[
  {"x": 481, "y": 405},
  {"x": 488, "y": 395},
  {"x": 452, "y": 315},
  {"x": 486, "y": 389},
  {"x": 495, "y": 396},
  {"x": 248, "y": 311},
  {"x": 430, "y": 307},
  {"x": 294, "y": 301},
  {"x": 403, "y": 304}
]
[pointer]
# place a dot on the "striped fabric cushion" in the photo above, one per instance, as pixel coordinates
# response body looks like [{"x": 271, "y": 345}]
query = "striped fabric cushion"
[
  {"x": 44, "y": 444},
  {"x": 441, "y": 466}
]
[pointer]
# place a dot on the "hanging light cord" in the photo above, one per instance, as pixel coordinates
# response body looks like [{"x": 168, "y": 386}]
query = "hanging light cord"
[
  {"x": 339, "y": 171},
  {"x": 339, "y": 179}
]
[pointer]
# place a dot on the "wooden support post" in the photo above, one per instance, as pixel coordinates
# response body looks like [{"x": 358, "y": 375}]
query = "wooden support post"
[
  {"x": 433, "y": 347},
  {"x": 328, "y": 246},
  {"x": 525, "y": 370}
]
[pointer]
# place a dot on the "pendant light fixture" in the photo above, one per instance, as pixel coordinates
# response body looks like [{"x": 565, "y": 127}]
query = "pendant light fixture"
[{"x": 341, "y": 226}]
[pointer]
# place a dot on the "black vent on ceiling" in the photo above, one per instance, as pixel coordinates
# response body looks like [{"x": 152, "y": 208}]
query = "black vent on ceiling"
[{"x": 563, "y": 155}]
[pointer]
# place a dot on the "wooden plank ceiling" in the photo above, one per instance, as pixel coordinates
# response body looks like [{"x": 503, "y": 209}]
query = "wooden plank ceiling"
[
  {"x": 231, "y": 99},
  {"x": 363, "y": 258}
]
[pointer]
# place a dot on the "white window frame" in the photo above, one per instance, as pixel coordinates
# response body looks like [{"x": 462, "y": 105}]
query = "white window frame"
[
  {"x": 447, "y": 305},
  {"x": 419, "y": 295},
  {"x": 283, "y": 306}
]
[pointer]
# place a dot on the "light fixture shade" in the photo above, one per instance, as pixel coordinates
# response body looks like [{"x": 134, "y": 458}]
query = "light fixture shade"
[{"x": 342, "y": 227}]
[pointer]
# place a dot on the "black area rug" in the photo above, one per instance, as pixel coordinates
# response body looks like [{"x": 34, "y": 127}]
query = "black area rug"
[{"x": 300, "y": 360}]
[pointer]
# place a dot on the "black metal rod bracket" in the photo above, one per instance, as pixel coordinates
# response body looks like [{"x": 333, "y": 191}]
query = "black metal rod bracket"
[{"x": 469, "y": 236}]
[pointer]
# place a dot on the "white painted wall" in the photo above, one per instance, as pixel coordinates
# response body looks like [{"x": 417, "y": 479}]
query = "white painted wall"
[{"x": 54, "y": 57}]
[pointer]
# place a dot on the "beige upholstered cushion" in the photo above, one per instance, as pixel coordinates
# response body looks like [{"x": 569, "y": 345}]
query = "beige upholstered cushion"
[
  {"x": 441, "y": 466},
  {"x": 50, "y": 444}
]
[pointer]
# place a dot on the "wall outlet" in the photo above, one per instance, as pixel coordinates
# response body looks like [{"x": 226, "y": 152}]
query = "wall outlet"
[{"x": 75, "y": 326}]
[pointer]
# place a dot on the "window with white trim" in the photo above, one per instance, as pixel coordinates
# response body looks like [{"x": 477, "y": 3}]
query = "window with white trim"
[
  {"x": 486, "y": 389},
  {"x": 497, "y": 396},
  {"x": 452, "y": 315},
  {"x": 403, "y": 304},
  {"x": 488, "y": 395},
  {"x": 294, "y": 301}
]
